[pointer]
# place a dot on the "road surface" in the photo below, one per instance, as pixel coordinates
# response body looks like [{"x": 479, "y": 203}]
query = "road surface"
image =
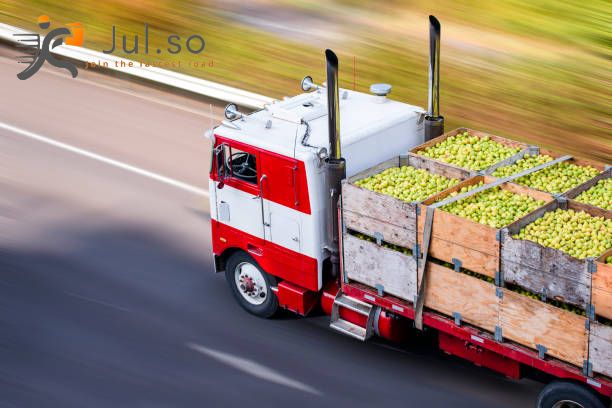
[{"x": 107, "y": 297}]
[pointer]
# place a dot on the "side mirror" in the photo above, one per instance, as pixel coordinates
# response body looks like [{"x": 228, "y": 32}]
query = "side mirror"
[{"x": 219, "y": 159}]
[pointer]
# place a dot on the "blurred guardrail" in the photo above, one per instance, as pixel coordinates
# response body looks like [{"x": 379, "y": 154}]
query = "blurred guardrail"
[{"x": 162, "y": 76}]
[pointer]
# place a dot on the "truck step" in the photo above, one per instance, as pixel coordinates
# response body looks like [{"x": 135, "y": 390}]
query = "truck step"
[
  {"x": 353, "y": 304},
  {"x": 348, "y": 328}
]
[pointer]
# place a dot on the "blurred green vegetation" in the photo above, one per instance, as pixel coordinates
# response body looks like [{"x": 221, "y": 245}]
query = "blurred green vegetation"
[{"x": 537, "y": 71}]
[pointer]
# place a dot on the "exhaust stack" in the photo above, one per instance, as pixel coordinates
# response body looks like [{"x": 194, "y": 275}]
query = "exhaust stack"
[
  {"x": 333, "y": 110},
  {"x": 434, "y": 123},
  {"x": 335, "y": 164}
]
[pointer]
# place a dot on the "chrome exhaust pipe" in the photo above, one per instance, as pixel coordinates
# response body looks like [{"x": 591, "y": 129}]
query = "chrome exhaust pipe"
[
  {"x": 335, "y": 164},
  {"x": 434, "y": 123},
  {"x": 333, "y": 110}
]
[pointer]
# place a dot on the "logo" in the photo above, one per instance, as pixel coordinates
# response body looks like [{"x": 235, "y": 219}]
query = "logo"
[
  {"x": 38, "y": 54},
  {"x": 194, "y": 44}
]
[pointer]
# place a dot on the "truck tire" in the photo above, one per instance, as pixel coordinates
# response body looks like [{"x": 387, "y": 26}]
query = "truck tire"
[
  {"x": 563, "y": 394},
  {"x": 251, "y": 285}
]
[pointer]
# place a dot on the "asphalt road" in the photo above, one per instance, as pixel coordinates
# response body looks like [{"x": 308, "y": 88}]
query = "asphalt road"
[{"x": 107, "y": 297}]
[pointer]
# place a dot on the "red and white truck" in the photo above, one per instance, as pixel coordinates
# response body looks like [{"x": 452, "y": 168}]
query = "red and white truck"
[{"x": 292, "y": 230}]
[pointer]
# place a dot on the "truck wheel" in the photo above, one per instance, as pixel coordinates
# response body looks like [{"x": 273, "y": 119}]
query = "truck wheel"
[
  {"x": 251, "y": 286},
  {"x": 562, "y": 394}
]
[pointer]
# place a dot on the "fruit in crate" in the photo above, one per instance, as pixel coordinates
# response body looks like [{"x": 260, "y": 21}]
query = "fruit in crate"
[
  {"x": 600, "y": 195},
  {"x": 527, "y": 162},
  {"x": 407, "y": 183},
  {"x": 576, "y": 233},
  {"x": 469, "y": 151},
  {"x": 609, "y": 260},
  {"x": 494, "y": 207},
  {"x": 555, "y": 179}
]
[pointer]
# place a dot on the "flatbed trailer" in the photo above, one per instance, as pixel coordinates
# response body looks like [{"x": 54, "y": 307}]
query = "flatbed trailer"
[
  {"x": 478, "y": 346},
  {"x": 292, "y": 230}
]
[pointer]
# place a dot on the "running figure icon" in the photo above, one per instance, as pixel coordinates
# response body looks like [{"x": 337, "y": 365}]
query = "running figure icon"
[{"x": 40, "y": 54}]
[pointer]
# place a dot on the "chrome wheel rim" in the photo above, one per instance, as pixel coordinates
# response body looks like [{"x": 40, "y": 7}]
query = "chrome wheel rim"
[
  {"x": 251, "y": 283},
  {"x": 567, "y": 404}
]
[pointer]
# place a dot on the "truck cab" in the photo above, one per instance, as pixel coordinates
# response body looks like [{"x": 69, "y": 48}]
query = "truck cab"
[{"x": 269, "y": 190}]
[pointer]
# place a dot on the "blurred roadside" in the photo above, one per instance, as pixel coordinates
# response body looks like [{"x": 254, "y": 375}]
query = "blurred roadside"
[{"x": 537, "y": 71}]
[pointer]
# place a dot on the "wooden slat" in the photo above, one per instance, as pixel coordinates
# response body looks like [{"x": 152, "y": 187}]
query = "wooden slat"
[
  {"x": 393, "y": 234},
  {"x": 369, "y": 212},
  {"x": 600, "y": 348},
  {"x": 589, "y": 209},
  {"x": 474, "y": 244},
  {"x": 531, "y": 322},
  {"x": 602, "y": 287},
  {"x": 483, "y": 263},
  {"x": 461, "y": 232},
  {"x": 518, "y": 189},
  {"x": 449, "y": 291},
  {"x": 436, "y": 167},
  {"x": 545, "y": 270},
  {"x": 438, "y": 139},
  {"x": 370, "y": 264}
]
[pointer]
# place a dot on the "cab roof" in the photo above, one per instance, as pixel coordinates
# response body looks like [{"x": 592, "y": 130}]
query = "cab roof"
[{"x": 282, "y": 125}]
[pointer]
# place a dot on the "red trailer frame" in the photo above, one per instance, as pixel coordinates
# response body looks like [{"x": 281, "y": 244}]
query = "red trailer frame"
[{"x": 477, "y": 346}]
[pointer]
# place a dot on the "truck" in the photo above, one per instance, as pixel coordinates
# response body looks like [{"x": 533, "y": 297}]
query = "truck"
[{"x": 293, "y": 229}]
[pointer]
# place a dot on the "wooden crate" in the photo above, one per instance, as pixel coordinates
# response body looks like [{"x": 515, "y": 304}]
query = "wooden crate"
[
  {"x": 499, "y": 139},
  {"x": 600, "y": 348},
  {"x": 388, "y": 270},
  {"x": 377, "y": 214},
  {"x": 576, "y": 191},
  {"x": 601, "y": 292},
  {"x": 451, "y": 292},
  {"x": 474, "y": 244},
  {"x": 577, "y": 161},
  {"x": 476, "y": 302},
  {"x": 545, "y": 270},
  {"x": 531, "y": 322}
]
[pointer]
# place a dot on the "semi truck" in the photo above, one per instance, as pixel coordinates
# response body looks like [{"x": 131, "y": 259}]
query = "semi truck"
[{"x": 292, "y": 228}]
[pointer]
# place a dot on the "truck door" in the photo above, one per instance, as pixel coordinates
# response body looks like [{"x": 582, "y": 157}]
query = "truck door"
[
  {"x": 280, "y": 198},
  {"x": 238, "y": 188}
]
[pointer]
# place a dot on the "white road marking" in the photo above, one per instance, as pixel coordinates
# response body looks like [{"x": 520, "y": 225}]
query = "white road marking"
[
  {"x": 107, "y": 160},
  {"x": 253, "y": 368}
]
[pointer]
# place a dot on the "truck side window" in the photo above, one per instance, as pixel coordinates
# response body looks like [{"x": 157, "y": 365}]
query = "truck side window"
[{"x": 241, "y": 165}]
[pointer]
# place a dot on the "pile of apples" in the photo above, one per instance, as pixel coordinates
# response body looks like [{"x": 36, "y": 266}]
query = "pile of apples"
[
  {"x": 407, "y": 183},
  {"x": 600, "y": 195},
  {"x": 469, "y": 151},
  {"x": 576, "y": 233},
  {"x": 555, "y": 179},
  {"x": 494, "y": 207}
]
